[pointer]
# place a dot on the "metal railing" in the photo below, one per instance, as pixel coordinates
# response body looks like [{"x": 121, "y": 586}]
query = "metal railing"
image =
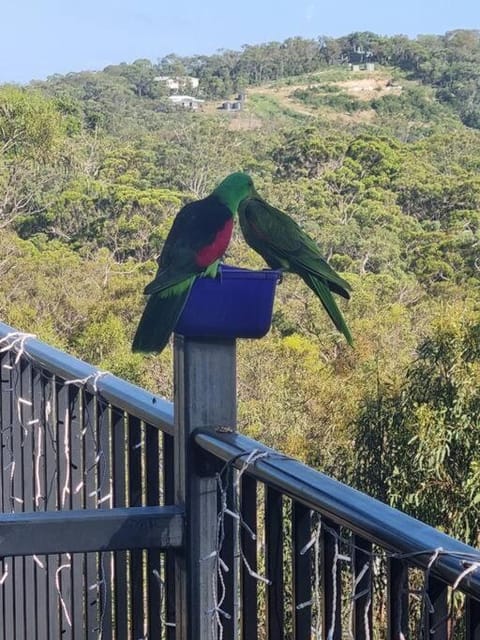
[
  {"x": 354, "y": 530},
  {"x": 86, "y": 468},
  {"x": 119, "y": 522}
]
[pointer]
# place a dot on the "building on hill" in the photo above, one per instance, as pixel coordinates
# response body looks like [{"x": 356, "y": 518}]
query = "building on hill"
[
  {"x": 364, "y": 66},
  {"x": 186, "y": 102},
  {"x": 177, "y": 83},
  {"x": 361, "y": 60}
]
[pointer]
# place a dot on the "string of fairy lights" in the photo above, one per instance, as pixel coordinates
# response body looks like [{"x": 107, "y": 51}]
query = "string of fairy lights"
[
  {"x": 374, "y": 560},
  {"x": 41, "y": 425},
  {"x": 40, "y": 428}
]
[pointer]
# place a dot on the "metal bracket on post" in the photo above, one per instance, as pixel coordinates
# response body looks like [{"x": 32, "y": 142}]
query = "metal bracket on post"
[{"x": 205, "y": 395}]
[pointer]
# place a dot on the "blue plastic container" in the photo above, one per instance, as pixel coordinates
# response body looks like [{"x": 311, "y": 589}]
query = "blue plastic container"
[{"x": 238, "y": 303}]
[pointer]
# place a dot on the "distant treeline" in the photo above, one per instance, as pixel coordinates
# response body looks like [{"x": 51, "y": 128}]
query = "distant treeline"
[{"x": 450, "y": 63}]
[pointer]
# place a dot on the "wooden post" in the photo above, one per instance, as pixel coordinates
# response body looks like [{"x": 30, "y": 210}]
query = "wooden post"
[{"x": 205, "y": 396}]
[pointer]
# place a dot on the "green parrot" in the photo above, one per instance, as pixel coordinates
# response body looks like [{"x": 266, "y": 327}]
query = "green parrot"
[
  {"x": 284, "y": 245},
  {"x": 197, "y": 240}
]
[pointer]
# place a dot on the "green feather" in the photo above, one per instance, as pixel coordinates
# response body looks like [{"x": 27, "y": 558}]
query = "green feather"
[
  {"x": 211, "y": 270},
  {"x": 233, "y": 189},
  {"x": 284, "y": 245},
  {"x": 322, "y": 291},
  {"x": 160, "y": 317},
  {"x": 167, "y": 284}
]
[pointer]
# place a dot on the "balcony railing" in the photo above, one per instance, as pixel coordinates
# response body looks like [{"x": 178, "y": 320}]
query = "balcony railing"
[{"x": 125, "y": 516}]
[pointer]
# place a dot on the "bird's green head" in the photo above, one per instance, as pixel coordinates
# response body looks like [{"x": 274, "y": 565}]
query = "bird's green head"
[{"x": 235, "y": 188}]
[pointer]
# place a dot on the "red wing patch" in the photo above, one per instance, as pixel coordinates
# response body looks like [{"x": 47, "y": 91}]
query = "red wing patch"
[{"x": 217, "y": 248}]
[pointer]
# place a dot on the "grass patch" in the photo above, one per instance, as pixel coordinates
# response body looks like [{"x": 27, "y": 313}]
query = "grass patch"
[
  {"x": 266, "y": 106},
  {"x": 331, "y": 97}
]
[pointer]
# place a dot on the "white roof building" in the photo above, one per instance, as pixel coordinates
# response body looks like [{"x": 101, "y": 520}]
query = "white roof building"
[
  {"x": 187, "y": 102},
  {"x": 176, "y": 83}
]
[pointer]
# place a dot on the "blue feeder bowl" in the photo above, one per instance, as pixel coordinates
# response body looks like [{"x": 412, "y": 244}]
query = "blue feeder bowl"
[{"x": 237, "y": 303}]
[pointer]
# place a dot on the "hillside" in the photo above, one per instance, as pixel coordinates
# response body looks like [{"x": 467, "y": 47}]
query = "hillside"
[
  {"x": 376, "y": 99},
  {"x": 381, "y": 168},
  {"x": 448, "y": 65}
]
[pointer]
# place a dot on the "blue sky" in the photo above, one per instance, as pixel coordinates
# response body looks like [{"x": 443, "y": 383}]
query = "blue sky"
[{"x": 42, "y": 37}]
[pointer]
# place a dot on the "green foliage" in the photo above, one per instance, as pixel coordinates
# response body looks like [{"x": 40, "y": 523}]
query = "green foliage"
[
  {"x": 416, "y": 446},
  {"x": 329, "y": 97},
  {"x": 30, "y": 125},
  {"x": 304, "y": 152},
  {"x": 269, "y": 109},
  {"x": 94, "y": 166},
  {"x": 413, "y": 104}
]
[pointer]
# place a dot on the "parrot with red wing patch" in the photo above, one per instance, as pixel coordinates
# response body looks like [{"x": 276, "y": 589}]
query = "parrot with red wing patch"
[{"x": 194, "y": 246}]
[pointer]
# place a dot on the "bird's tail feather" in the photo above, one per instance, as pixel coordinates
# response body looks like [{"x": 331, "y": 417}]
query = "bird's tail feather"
[
  {"x": 320, "y": 288},
  {"x": 159, "y": 319},
  {"x": 321, "y": 269},
  {"x": 342, "y": 291}
]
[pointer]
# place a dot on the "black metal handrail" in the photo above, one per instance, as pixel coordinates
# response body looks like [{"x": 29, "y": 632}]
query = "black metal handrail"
[
  {"x": 363, "y": 515},
  {"x": 86, "y": 464},
  {"x": 126, "y": 396},
  {"x": 92, "y": 442}
]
